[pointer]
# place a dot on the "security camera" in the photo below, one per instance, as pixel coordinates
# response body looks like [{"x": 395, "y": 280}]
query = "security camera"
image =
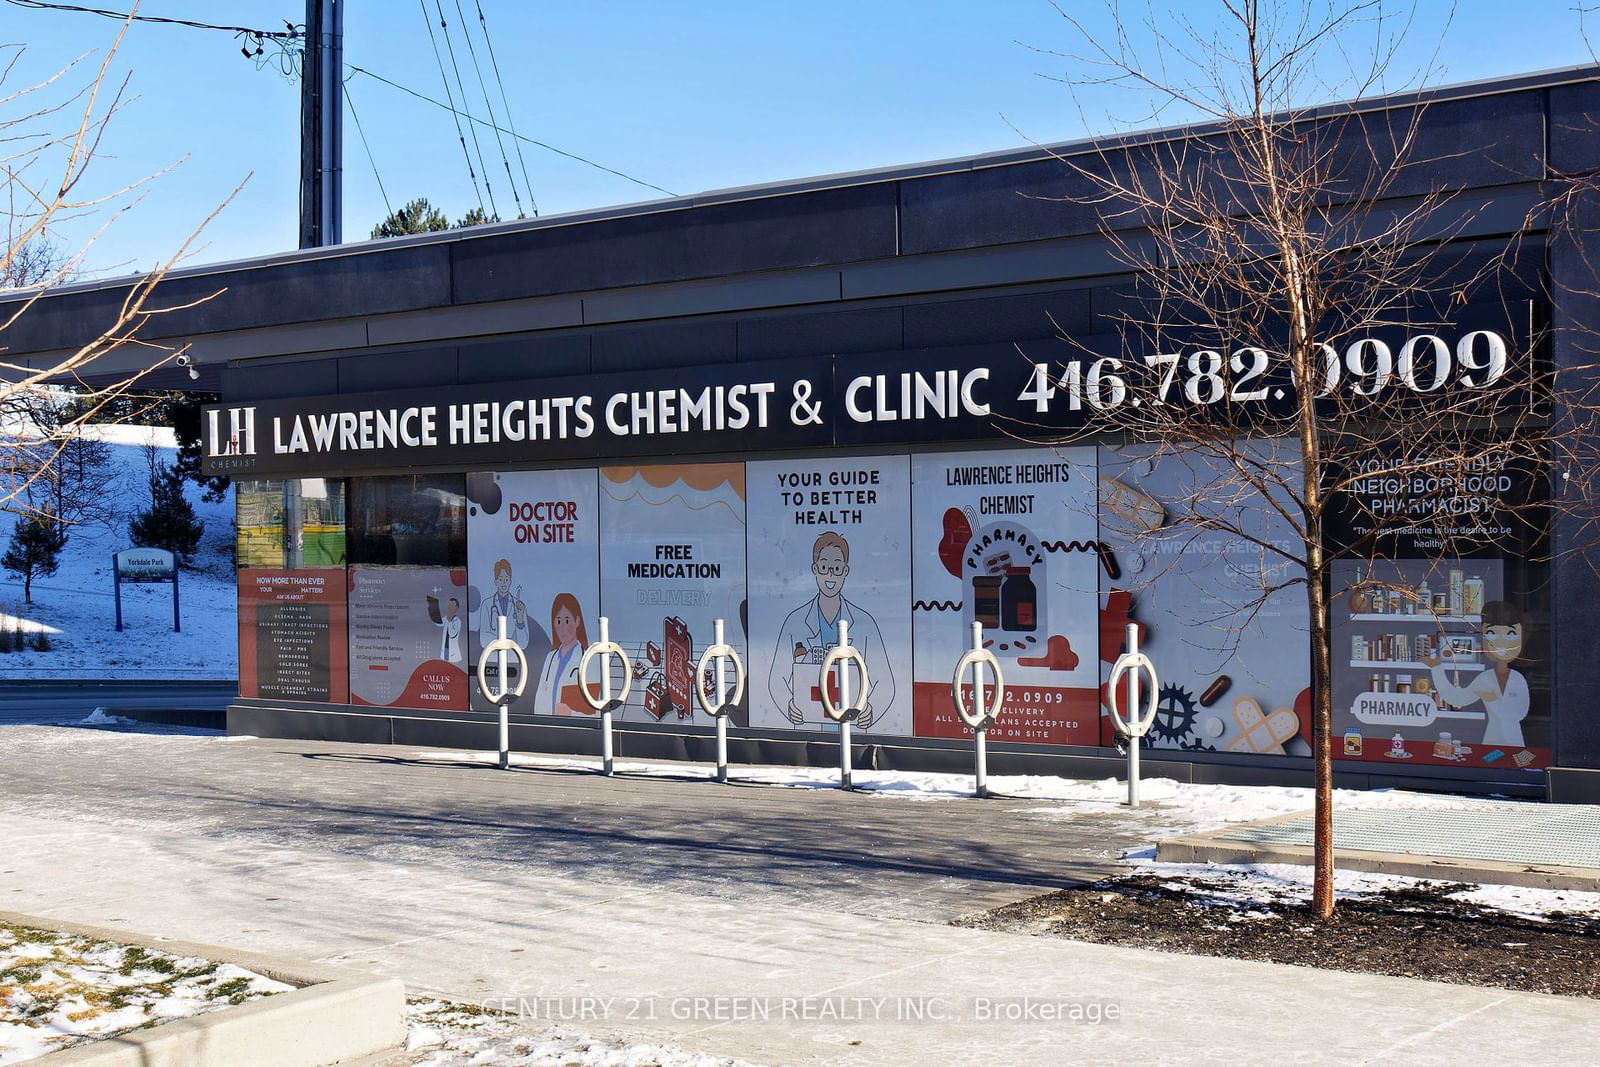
[
  {"x": 188, "y": 364},
  {"x": 183, "y": 361}
]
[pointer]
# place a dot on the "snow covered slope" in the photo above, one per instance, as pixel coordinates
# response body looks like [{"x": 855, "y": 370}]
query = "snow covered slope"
[{"x": 76, "y": 608}]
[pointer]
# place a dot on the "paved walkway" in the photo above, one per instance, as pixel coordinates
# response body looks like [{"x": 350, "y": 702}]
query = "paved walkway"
[{"x": 674, "y": 911}]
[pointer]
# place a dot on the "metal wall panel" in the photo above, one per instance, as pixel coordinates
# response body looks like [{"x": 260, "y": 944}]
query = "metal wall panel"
[
  {"x": 834, "y": 226},
  {"x": 534, "y": 356},
  {"x": 406, "y": 369},
  {"x": 996, "y": 318},
  {"x": 670, "y": 344},
  {"x": 876, "y": 329},
  {"x": 1576, "y": 600}
]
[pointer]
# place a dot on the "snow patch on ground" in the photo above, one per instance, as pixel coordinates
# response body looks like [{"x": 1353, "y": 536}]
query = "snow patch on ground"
[
  {"x": 61, "y": 990},
  {"x": 1168, "y": 807},
  {"x": 103, "y": 717},
  {"x": 76, "y": 607},
  {"x": 1242, "y": 884},
  {"x": 442, "y": 1034}
]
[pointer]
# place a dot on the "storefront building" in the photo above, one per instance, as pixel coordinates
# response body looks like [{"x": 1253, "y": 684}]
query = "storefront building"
[{"x": 788, "y": 406}]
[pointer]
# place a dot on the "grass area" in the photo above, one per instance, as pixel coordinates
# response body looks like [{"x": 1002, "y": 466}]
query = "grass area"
[{"x": 59, "y": 989}]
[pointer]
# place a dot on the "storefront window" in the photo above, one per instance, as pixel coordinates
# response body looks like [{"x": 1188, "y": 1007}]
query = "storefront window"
[
  {"x": 1440, "y": 618},
  {"x": 409, "y": 521},
  {"x": 298, "y": 522},
  {"x": 409, "y": 604},
  {"x": 291, "y": 555}
]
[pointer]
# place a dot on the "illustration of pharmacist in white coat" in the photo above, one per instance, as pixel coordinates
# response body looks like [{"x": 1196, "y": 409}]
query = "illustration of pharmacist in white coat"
[
  {"x": 557, "y": 693},
  {"x": 1502, "y": 691},
  {"x": 449, "y": 623},
  {"x": 812, "y": 630}
]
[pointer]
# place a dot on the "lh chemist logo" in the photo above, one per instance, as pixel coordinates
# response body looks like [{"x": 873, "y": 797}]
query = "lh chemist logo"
[{"x": 240, "y": 436}]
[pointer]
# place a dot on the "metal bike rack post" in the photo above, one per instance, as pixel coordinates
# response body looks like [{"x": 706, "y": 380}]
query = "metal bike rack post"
[
  {"x": 980, "y": 714},
  {"x": 842, "y": 655},
  {"x": 607, "y": 648},
  {"x": 722, "y": 653},
  {"x": 504, "y": 693},
  {"x": 1135, "y": 725}
]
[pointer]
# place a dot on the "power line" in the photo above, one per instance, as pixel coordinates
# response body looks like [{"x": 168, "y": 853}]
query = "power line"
[
  {"x": 510, "y": 121},
  {"x": 426, "y": 21},
  {"x": 444, "y": 28},
  {"x": 521, "y": 137},
  {"x": 466, "y": 33},
  {"x": 287, "y": 42},
  {"x": 363, "y": 134},
  {"x": 292, "y": 33}
]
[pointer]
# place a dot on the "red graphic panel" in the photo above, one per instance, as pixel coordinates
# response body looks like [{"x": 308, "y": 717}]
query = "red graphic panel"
[
  {"x": 1031, "y": 714},
  {"x": 292, "y": 635}
]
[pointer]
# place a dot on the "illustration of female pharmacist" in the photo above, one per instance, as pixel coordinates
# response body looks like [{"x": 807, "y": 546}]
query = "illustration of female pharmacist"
[
  {"x": 1502, "y": 691},
  {"x": 558, "y": 679}
]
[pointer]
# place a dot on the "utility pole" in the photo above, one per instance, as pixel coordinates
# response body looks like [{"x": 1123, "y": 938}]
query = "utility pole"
[{"x": 322, "y": 125}]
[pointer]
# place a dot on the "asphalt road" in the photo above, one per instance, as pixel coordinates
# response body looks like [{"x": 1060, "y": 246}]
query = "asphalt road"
[{"x": 58, "y": 702}]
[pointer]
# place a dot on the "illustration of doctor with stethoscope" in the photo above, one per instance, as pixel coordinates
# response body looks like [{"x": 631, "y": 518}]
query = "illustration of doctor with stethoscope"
[
  {"x": 502, "y": 605},
  {"x": 1502, "y": 691}
]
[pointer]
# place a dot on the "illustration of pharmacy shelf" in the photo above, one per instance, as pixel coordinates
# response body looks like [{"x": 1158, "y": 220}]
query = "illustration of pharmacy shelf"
[{"x": 1425, "y": 622}]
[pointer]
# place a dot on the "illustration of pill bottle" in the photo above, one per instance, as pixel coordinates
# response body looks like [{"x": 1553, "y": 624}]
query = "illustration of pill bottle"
[
  {"x": 1472, "y": 603},
  {"x": 986, "y": 601},
  {"x": 1019, "y": 601}
]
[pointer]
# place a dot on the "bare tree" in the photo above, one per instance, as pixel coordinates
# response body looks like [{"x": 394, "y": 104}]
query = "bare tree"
[
  {"x": 45, "y": 179},
  {"x": 35, "y": 263},
  {"x": 1330, "y": 336},
  {"x": 64, "y": 471}
]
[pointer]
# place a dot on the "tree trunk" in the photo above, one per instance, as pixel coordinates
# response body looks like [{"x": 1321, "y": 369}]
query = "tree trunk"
[
  {"x": 27, "y": 588},
  {"x": 1321, "y": 727}
]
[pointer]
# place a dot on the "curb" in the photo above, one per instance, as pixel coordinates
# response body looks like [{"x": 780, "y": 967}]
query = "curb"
[
  {"x": 1218, "y": 848},
  {"x": 204, "y": 718},
  {"x": 334, "y": 1015}
]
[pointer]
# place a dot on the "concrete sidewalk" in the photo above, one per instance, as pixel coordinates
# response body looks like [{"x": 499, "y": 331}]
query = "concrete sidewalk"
[
  {"x": 826, "y": 949},
  {"x": 1546, "y": 846}
]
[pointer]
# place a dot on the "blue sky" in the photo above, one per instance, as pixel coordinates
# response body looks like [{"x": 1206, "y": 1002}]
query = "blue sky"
[{"x": 693, "y": 96}]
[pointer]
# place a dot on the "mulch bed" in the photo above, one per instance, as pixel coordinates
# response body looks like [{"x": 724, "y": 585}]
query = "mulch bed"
[{"x": 1413, "y": 932}]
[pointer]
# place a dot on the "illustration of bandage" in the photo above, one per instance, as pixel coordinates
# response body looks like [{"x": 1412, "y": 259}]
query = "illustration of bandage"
[
  {"x": 1260, "y": 732},
  {"x": 1138, "y": 510}
]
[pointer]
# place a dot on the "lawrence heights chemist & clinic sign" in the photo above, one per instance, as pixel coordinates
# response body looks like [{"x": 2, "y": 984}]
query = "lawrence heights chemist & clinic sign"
[{"x": 988, "y": 392}]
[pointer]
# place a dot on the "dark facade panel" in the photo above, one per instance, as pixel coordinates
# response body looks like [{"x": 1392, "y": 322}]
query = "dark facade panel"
[
  {"x": 1057, "y": 261},
  {"x": 533, "y": 356},
  {"x": 821, "y": 333},
  {"x": 1023, "y": 202},
  {"x": 1457, "y": 144},
  {"x": 373, "y": 283},
  {"x": 408, "y": 369},
  {"x": 997, "y": 318},
  {"x": 666, "y": 345},
  {"x": 834, "y": 226},
  {"x": 1575, "y": 606},
  {"x": 271, "y": 381},
  {"x": 713, "y": 296},
  {"x": 1575, "y": 128}
]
